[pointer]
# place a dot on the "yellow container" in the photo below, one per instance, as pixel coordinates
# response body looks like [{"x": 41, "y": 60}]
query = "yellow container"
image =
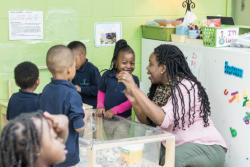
[
  {"x": 178, "y": 38},
  {"x": 132, "y": 154}
]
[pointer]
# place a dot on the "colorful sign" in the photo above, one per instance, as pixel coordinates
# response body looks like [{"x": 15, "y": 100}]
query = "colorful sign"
[
  {"x": 225, "y": 36},
  {"x": 231, "y": 70}
]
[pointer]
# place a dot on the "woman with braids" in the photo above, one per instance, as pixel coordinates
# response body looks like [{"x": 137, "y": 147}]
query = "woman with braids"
[
  {"x": 178, "y": 103},
  {"x": 34, "y": 140}
]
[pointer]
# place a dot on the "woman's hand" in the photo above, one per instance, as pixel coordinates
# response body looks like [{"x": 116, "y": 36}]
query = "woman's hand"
[
  {"x": 144, "y": 106},
  {"x": 127, "y": 79},
  {"x": 100, "y": 112}
]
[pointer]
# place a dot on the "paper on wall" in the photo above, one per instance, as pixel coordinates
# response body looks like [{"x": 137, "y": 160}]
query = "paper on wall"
[
  {"x": 25, "y": 25},
  {"x": 106, "y": 34}
]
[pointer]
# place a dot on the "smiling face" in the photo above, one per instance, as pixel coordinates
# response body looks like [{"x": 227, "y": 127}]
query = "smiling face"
[
  {"x": 52, "y": 147},
  {"x": 156, "y": 72},
  {"x": 125, "y": 62}
]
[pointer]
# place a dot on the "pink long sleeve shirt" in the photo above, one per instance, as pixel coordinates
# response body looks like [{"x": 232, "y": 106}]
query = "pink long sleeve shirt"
[{"x": 196, "y": 133}]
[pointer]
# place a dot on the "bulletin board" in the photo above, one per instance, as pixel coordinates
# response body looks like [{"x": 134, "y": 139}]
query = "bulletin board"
[{"x": 225, "y": 74}]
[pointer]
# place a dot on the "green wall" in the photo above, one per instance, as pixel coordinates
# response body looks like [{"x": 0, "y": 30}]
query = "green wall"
[
  {"x": 240, "y": 16},
  {"x": 66, "y": 20}
]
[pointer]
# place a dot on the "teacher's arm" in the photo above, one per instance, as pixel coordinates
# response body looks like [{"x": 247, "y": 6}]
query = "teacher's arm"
[{"x": 143, "y": 106}]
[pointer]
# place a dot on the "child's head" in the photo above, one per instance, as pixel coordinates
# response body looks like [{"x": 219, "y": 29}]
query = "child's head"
[
  {"x": 123, "y": 57},
  {"x": 26, "y": 75},
  {"x": 79, "y": 50},
  {"x": 169, "y": 60},
  {"x": 30, "y": 141},
  {"x": 61, "y": 62}
]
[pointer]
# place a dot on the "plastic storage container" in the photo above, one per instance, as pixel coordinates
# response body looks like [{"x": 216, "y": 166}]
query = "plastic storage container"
[
  {"x": 181, "y": 30},
  {"x": 119, "y": 142},
  {"x": 158, "y": 33},
  {"x": 178, "y": 38},
  {"x": 219, "y": 37}
]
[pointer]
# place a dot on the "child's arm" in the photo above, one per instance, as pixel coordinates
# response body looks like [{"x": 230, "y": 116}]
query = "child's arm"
[
  {"x": 100, "y": 109},
  {"x": 121, "y": 107},
  {"x": 101, "y": 96},
  {"x": 100, "y": 99},
  {"x": 80, "y": 131},
  {"x": 76, "y": 113},
  {"x": 125, "y": 105},
  {"x": 60, "y": 124},
  {"x": 92, "y": 89}
]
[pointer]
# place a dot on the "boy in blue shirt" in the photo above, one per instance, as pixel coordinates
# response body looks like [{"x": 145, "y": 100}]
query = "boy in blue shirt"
[
  {"x": 27, "y": 78},
  {"x": 87, "y": 75},
  {"x": 60, "y": 97}
]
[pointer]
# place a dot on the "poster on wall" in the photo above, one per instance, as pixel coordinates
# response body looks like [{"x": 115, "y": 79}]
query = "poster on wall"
[
  {"x": 25, "y": 25},
  {"x": 106, "y": 34}
]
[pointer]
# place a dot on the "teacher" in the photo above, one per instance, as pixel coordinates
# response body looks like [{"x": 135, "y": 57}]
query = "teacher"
[{"x": 178, "y": 103}]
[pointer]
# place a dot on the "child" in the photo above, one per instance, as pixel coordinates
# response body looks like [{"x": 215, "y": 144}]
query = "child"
[
  {"x": 111, "y": 99},
  {"x": 26, "y": 77},
  {"x": 180, "y": 106},
  {"x": 87, "y": 75},
  {"x": 33, "y": 140},
  {"x": 60, "y": 97}
]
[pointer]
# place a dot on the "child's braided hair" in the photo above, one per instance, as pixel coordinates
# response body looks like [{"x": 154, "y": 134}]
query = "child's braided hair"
[{"x": 20, "y": 141}]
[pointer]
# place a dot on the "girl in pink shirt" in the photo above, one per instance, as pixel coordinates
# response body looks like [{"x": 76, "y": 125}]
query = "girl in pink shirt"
[
  {"x": 179, "y": 105},
  {"x": 111, "y": 99}
]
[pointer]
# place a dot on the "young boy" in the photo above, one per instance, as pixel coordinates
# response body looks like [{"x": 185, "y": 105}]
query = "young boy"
[
  {"x": 87, "y": 75},
  {"x": 27, "y": 78},
  {"x": 60, "y": 97}
]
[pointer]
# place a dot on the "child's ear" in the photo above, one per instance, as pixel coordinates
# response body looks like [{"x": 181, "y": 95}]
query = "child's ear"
[
  {"x": 68, "y": 70},
  {"x": 37, "y": 81},
  {"x": 83, "y": 53}
]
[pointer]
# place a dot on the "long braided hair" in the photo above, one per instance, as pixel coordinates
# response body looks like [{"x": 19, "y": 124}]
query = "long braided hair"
[
  {"x": 177, "y": 70},
  {"x": 20, "y": 141},
  {"x": 120, "y": 46}
]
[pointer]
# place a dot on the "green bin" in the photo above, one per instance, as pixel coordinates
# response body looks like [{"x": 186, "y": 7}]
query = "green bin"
[{"x": 158, "y": 33}]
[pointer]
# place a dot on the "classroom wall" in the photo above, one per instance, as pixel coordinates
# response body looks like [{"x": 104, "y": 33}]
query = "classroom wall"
[
  {"x": 66, "y": 20},
  {"x": 241, "y": 12}
]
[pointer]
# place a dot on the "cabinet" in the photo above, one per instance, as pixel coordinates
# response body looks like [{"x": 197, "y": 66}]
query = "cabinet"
[{"x": 228, "y": 92}]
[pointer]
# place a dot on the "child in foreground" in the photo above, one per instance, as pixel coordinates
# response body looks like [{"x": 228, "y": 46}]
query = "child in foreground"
[{"x": 34, "y": 140}]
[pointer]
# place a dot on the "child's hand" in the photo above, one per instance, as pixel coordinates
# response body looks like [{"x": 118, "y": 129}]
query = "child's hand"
[
  {"x": 100, "y": 112},
  {"x": 108, "y": 114},
  {"x": 60, "y": 124},
  {"x": 78, "y": 88}
]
